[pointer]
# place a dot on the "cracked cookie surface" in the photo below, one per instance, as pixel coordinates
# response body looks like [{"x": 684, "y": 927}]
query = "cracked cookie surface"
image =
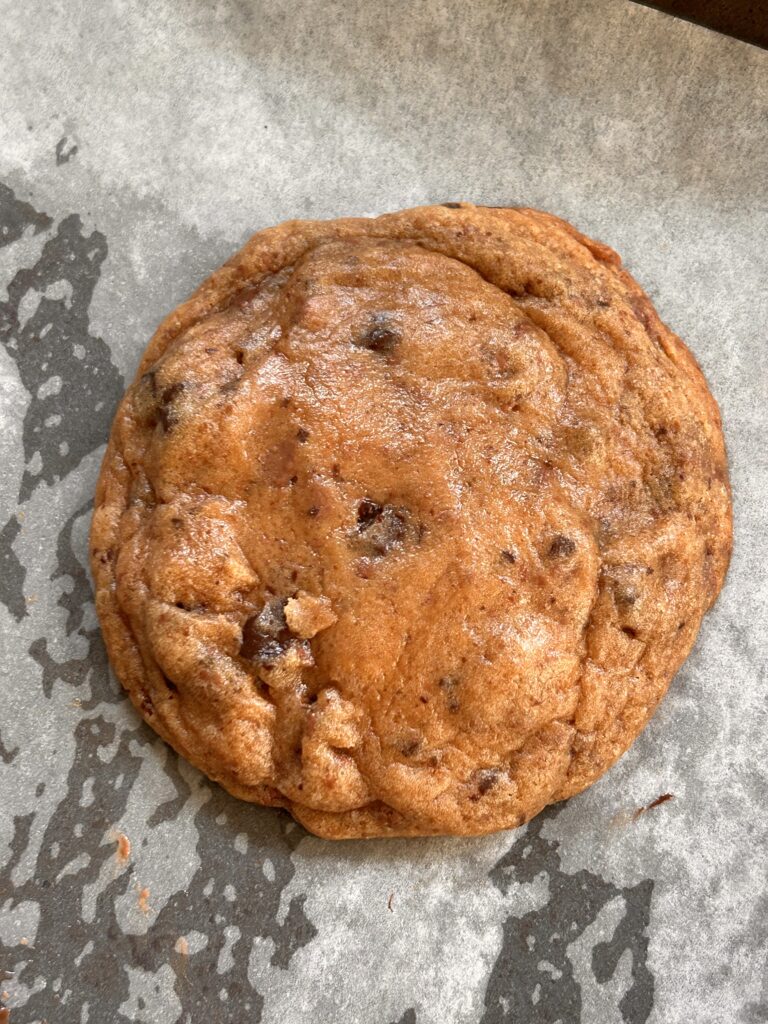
[{"x": 406, "y": 523}]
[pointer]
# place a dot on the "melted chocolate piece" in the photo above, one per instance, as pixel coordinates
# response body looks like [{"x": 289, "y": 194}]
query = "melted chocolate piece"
[
  {"x": 561, "y": 546},
  {"x": 266, "y": 636},
  {"x": 485, "y": 779},
  {"x": 410, "y": 745},
  {"x": 381, "y": 336},
  {"x": 166, "y": 413},
  {"x": 382, "y": 527}
]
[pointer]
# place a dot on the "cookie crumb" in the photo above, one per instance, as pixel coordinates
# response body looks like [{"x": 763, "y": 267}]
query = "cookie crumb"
[
  {"x": 143, "y": 901},
  {"x": 123, "y": 851},
  {"x": 307, "y": 615}
]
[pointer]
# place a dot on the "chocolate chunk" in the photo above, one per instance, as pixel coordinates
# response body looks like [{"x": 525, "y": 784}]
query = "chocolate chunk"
[
  {"x": 561, "y": 546},
  {"x": 368, "y": 512},
  {"x": 266, "y": 636},
  {"x": 484, "y": 779},
  {"x": 172, "y": 392},
  {"x": 381, "y": 527},
  {"x": 272, "y": 617},
  {"x": 302, "y": 435},
  {"x": 509, "y": 556},
  {"x": 410, "y": 744},
  {"x": 166, "y": 414},
  {"x": 258, "y": 648},
  {"x": 381, "y": 336},
  {"x": 630, "y": 632}
]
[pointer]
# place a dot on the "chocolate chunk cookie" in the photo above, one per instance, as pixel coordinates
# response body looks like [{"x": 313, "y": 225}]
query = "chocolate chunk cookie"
[{"x": 407, "y": 523}]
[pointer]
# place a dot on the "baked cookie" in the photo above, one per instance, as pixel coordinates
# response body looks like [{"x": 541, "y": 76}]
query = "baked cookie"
[{"x": 406, "y": 523}]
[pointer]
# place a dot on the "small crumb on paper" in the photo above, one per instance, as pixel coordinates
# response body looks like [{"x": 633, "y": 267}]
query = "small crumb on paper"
[
  {"x": 654, "y": 803},
  {"x": 144, "y": 901},
  {"x": 123, "y": 851}
]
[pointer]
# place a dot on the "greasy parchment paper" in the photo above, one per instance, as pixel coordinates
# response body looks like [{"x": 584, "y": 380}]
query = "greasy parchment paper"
[{"x": 140, "y": 144}]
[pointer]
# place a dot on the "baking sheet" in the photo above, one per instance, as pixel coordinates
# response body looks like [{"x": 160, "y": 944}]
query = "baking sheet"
[{"x": 140, "y": 144}]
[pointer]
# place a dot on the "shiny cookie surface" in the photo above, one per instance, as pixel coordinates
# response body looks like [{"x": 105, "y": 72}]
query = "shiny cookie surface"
[{"x": 406, "y": 523}]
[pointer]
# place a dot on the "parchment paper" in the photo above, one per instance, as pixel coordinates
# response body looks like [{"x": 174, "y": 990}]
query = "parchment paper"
[{"x": 140, "y": 144}]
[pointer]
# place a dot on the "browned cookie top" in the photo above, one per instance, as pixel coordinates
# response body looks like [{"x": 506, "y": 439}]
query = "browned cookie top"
[{"x": 407, "y": 523}]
